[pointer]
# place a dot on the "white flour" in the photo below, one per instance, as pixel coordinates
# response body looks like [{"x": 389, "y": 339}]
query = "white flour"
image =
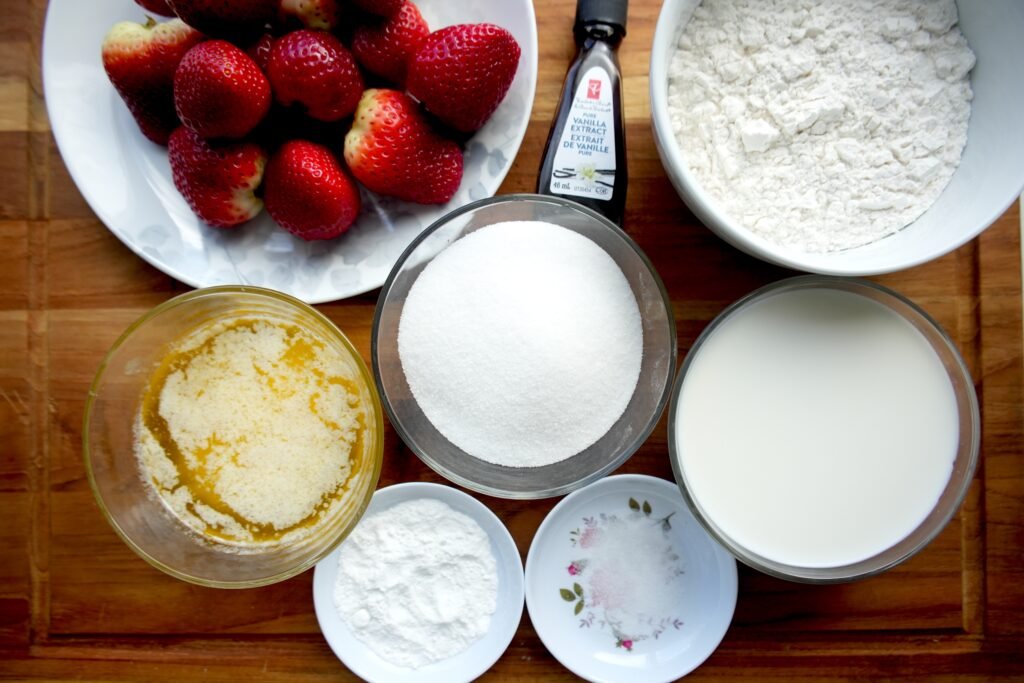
[
  {"x": 417, "y": 582},
  {"x": 822, "y": 125}
]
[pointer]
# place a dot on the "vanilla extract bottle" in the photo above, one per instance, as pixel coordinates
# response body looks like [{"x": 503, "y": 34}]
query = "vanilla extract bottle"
[{"x": 585, "y": 155}]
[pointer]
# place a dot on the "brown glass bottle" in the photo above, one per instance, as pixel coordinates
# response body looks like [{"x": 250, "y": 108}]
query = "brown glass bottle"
[{"x": 585, "y": 155}]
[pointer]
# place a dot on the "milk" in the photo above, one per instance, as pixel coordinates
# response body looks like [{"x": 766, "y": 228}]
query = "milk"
[{"x": 816, "y": 427}]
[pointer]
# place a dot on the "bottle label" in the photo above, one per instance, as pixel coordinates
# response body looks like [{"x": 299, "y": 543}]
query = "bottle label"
[{"x": 584, "y": 163}]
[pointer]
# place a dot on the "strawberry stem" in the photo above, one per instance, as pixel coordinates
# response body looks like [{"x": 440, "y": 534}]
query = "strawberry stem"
[{"x": 150, "y": 22}]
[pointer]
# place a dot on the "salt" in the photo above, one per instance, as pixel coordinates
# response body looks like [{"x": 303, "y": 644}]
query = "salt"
[
  {"x": 628, "y": 574},
  {"x": 636, "y": 576},
  {"x": 521, "y": 343}
]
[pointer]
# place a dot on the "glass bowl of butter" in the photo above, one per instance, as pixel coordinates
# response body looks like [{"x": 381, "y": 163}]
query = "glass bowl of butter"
[{"x": 233, "y": 436}]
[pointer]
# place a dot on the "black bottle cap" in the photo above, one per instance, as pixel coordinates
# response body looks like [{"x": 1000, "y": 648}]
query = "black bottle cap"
[{"x": 610, "y": 12}]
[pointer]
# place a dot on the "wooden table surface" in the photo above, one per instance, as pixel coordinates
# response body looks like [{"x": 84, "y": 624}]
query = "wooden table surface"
[{"x": 75, "y": 602}]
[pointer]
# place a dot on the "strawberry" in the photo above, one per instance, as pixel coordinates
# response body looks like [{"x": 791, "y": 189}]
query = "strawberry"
[
  {"x": 231, "y": 19},
  {"x": 287, "y": 123},
  {"x": 392, "y": 150},
  {"x": 159, "y": 7},
  {"x": 308, "y": 194},
  {"x": 313, "y": 68},
  {"x": 384, "y": 48},
  {"x": 217, "y": 180},
  {"x": 461, "y": 73},
  {"x": 382, "y": 8},
  {"x": 259, "y": 51},
  {"x": 315, "y": 14},
  {"x": 140, "y": 61},
  {"x": 219, "y": 92}
]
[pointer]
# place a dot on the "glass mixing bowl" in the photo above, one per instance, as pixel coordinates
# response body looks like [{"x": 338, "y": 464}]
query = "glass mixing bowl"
[
  {"x": 138, "y": 514},
  {"x": 625, "y": 436},
  {"x": 964, "y": 463}
]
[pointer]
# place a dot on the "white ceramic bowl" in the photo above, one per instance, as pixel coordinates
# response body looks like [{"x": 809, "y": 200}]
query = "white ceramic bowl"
[
  {"x": 470, "y": 663},
  {"x": 988, "y": 180}
]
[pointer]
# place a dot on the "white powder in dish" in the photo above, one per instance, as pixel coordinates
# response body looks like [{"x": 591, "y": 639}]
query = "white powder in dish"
[
  {"x": 522, "y": 343},
  {"x": 417, "y": 582},
  {"x": 822, "y": 125},
  {"x": 631, "y": 573}
]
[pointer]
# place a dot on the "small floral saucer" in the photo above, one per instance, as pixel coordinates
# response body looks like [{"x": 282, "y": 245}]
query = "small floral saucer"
[{"x": 622, "y": 584}]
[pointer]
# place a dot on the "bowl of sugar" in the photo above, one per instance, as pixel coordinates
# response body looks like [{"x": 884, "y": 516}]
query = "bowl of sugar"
[
  {"x": 841, "y": 138},
  {"x": 524, "y": 346},
  {"x": 233, "y": 436},
  {"x": 824, "y": 429}
]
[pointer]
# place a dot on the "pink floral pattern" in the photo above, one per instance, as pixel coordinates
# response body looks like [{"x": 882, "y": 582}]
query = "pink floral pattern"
[
  {"x": 590, "y": 536},
  {"x": 601, "y": 594}
]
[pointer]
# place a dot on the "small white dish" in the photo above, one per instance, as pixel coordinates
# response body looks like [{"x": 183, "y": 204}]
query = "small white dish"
[
  {"x": 470, "y": 663},
  {"x": 579, "y": 636},
  {"x": 126, "y": 179}
]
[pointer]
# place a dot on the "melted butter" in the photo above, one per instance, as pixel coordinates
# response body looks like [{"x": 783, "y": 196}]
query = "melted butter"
[{"x": 200, "y": 482}]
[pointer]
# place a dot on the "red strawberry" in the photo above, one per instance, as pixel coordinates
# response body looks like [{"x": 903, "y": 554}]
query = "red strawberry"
[
  {"x": 259, "y": 51},
  {"x": 156, "y": 7},
  {"x": 392, "y": 150},
  {"x": 219, "y": 91},
  {"x": 384, "y": 48},
  {"x": 140, "y": 61},
  {"x": 315, "y": 14},
  {"x": 231, "y": 19},
  {"x": 308, "y": 193},
  {"x": 217, "y": 180},
  {"x": 382, "y": 8},
  {"x": 290, "y": 123},
  {"x": 313, "y": 68},
  {"x": 283, "y": 124},
  {"x": 461, "y": 73}
]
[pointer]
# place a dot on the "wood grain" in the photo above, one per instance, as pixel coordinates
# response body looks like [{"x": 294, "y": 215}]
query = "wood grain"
[{"x": 76, "y": 603}]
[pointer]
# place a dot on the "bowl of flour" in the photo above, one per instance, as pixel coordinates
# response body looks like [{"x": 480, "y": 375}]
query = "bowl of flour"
[{"x": 844, "y": 138}]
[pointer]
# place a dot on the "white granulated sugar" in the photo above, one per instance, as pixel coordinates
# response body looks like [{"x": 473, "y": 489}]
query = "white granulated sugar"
[
  {"x": 522, "y": 343},
  {"x": 822, "y": 125},
  {"x": 417, "y": 582}
]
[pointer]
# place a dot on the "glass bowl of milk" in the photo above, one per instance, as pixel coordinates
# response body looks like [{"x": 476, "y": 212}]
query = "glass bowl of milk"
[{"x": 824, "y": 429}]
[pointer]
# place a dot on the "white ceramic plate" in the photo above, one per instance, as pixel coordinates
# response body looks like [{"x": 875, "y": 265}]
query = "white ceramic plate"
[
  {"x": 127, "y": 180},
  {"x": 573, "y": 618},
  {"x": 472, "y": 662}
]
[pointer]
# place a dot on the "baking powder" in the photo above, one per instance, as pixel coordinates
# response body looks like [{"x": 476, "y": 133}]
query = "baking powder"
[
  {"x": 417, "y": 582},
  {"x": 822, "y": 125}
]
